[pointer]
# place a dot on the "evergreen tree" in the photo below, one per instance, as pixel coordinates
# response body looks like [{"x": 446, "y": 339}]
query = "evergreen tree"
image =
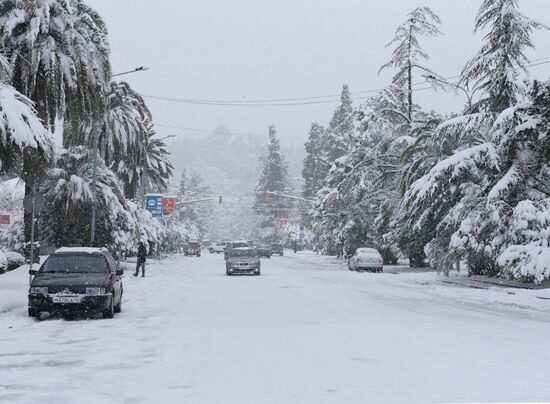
[
  {"x": 337, "y": 137},
  {"x": 313, "y": 170},
  {"x": 496, "y": 67},
  {"x": 274, "y": 178},
  {"x": 454, "y": 193},
  {"x": 408, "y": 55}
]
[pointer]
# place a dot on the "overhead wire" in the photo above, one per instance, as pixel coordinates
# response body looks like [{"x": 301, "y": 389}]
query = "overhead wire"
[{"x": 310, "y": 100}]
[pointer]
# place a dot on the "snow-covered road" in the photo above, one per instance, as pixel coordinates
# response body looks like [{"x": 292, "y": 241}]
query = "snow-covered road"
[{"x": 306, "y": 331}]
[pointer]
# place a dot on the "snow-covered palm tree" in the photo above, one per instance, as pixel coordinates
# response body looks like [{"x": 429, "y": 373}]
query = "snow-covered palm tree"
[
  {"x": 60, "y": 58},
  {"x": 60, "y": 55},
  {"x": 20, "y": 128}
]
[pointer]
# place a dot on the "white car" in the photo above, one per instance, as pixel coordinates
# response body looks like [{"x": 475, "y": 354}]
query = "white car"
[
  {"x": 217, "y": 248},
  {"x": 366, "y": 259}
]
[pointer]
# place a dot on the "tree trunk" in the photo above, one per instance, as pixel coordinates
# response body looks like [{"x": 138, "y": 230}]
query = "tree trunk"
[
  {"x": 409, "y": 79},
  {"x": 32, "y": 166}
]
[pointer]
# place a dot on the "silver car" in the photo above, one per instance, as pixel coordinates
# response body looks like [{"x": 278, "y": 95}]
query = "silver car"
[
  {"x": 243, "y": 260},
  {"x": 366, "y": 259}
]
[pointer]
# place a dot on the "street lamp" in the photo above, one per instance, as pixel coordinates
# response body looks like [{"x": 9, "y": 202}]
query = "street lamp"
[{"x": 95, "y": 146}]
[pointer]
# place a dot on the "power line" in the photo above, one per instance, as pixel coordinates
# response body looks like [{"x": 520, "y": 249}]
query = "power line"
[{"x": 298, "y": 101}]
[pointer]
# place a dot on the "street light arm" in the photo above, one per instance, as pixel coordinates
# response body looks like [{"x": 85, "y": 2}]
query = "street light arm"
[
  {"x": 291, "y": 197},
  {"x": 137, "y": 69}
]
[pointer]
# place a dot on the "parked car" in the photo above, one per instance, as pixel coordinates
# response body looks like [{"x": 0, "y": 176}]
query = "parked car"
[
  {"x": 218, "y": 247},
  {"x": 242, "y": 260},
  {"x": 77, "y": 280},
  {"x": 235, "y": 244},
  {"x": 264, "y": 251},
  {"x": 206, "y": 243},
  {"x": 277, "y": 248},
  {"x": 192, "y": 248},
  {"x": 366, "y": 259}
]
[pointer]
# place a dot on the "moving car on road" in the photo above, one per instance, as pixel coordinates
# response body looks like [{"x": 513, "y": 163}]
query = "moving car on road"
[
  {"x": 77, "y": 280},
  {"x": 193, "y": 248},
  {"x": 242, "y": 260},
  {"x": 235, "y": 244},
  {"x": 264, "y": 251},
  {"x": 277, "y": 248},
  {"x": 217, "y": 248},
  {"x": 366, "y": 259}
]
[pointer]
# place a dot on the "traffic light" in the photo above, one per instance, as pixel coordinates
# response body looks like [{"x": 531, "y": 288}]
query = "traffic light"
[
  {"x": 221, "y": 198},
  {"x": 266, "y": 196}
]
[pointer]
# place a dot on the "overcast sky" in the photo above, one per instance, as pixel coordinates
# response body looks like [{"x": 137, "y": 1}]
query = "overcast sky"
[{"x": 255, "y": 49}]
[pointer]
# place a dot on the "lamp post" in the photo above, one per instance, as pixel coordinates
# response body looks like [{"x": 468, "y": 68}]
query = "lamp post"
[{"x": 95, "y": 146}]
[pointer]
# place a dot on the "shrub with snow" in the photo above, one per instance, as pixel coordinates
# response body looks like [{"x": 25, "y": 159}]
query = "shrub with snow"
[
  {"x": 3, "y": 262},
  {"x": 15, "y": 260}
]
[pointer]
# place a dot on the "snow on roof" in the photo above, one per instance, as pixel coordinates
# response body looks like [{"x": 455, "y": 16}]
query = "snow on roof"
[{"x": 85, "y": 250}]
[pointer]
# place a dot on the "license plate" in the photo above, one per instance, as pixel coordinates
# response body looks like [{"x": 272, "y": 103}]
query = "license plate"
[{"x": 66, "y": 299}]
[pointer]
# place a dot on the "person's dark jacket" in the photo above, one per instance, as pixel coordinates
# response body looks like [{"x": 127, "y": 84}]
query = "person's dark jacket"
[{"x": 142, "y": 253}]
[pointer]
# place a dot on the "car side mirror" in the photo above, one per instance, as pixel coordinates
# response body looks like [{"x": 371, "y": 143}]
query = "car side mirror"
[
  {"x": 120, "y": 272},
  {"x": 33, "y": 272}
]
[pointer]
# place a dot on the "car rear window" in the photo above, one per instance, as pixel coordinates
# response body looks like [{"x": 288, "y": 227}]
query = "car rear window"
[
  {"x": 243, "y": 253},
  {"x": 76, "y": 263}
]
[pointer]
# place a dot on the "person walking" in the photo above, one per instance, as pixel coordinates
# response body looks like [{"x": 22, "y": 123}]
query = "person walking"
[{"x": 141, "y": 258}]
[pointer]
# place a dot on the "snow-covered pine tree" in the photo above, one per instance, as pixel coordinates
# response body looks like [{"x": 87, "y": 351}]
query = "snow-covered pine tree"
[
  {"x": 496, "y": 67},
  {"x": 274, "y": 178},
  {"x": 454, "y": 194},
  {"x": 337, "y": 137},
  {"x": 510, "y": 233},
  {"x": 408, "y": 55},
  {"x": 313, "y": 170}
]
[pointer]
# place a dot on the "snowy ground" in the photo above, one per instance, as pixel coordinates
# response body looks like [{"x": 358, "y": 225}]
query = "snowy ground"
[{"x": 306, "y": 331}]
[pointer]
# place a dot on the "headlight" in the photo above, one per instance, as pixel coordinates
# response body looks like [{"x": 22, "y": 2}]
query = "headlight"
[
  {"x": 40, "y": 290},
  {"x": 95, "y": 291}
]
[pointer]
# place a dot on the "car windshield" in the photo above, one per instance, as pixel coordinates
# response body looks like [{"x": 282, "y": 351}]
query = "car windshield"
[
  {"x": 243, "y": 253},
  {"x": 76, "y": 263},
  {"x": 239, "y": 245}
]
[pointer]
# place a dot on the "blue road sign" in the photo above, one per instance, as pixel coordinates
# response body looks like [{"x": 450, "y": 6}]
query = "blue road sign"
[{"x": 153, "y": 203}]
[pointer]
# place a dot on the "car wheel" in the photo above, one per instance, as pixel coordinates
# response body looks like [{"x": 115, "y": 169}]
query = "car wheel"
[
  {"x": 118, "y": 307},
  {"x": 34, "y": 314},
  {"x": 110, "y": 311}
]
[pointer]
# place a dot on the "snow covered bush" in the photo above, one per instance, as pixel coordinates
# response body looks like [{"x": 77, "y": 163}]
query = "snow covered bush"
[
  {"x": 529, "y": 263},
  {"x": 3, "y": 262},
  {"x": 15, "y": 260}
]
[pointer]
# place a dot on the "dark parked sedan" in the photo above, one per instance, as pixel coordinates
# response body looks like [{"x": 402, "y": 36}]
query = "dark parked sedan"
[{"x": 77, "y": 280}]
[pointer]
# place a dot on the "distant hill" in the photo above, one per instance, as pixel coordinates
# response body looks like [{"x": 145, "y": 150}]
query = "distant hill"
[{"x": 226, "y": 162}]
